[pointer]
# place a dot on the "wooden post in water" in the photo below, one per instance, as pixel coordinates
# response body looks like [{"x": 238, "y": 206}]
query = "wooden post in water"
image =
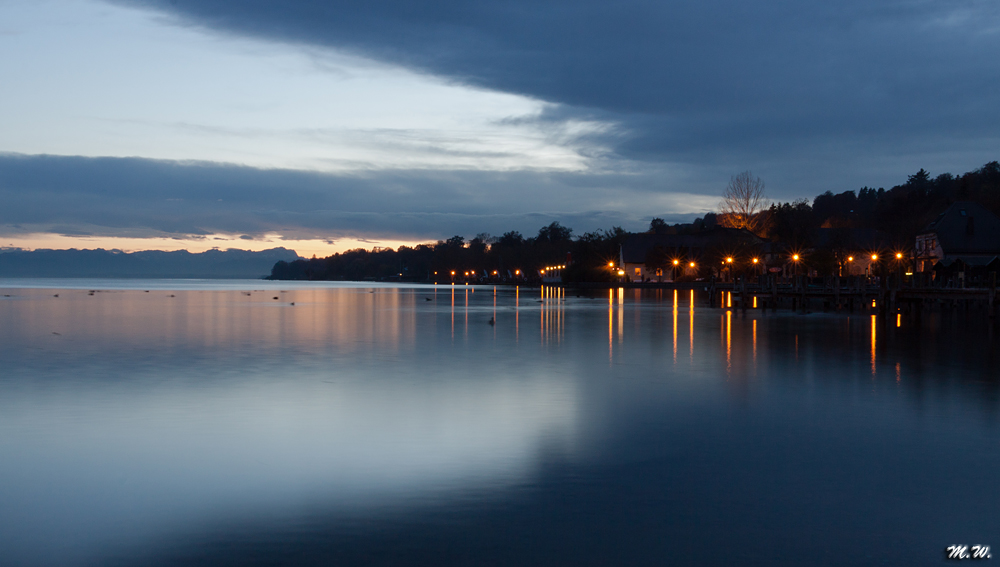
[
  {"x": 774, "y": 293},
  {"x": 743, "y": 293},
  {"x": 802, "y": 292},
  {"x": 993, "y": 295}
]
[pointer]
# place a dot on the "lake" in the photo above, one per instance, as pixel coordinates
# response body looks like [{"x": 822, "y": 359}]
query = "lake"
[{"x": 291, "y": 423}]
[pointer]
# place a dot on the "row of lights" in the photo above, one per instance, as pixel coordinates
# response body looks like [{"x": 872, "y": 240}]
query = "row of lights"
[
  {"x": 676, "y": 263},
  {"x": 473, "y": 272},
  {"x": 729, "y": 260}
]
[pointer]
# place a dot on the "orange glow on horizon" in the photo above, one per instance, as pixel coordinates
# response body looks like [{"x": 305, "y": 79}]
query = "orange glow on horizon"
[{"x": 305, "y": 247}]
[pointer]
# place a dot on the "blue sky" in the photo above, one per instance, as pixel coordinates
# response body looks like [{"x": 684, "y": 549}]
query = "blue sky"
[{"x": 326, "y": 125}]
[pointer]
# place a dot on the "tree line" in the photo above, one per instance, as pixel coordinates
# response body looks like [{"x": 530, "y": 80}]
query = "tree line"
[
  {"x": 899, "y": 213},
  {"x": 507, "y": 258}
]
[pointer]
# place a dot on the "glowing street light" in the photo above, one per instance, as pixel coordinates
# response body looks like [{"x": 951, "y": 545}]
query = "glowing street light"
[
  {"x": 676, "y": 262},
  {"x": 899, "y": 255},
  {"x": 874, "y": 257},
  {"x": 850, "y": 258},
  {"x": 795, "y": 257},
  {"x": 611, "y": 264},
  {"x": 692, "y": 264},
  {"x": 621, "y": 272},
  {"x": 729, "y": 260},
  {"x": 755, "y": 260}
]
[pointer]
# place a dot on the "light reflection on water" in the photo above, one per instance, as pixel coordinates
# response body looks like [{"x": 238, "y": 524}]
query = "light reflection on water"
[{"x": 188, "y": 425}]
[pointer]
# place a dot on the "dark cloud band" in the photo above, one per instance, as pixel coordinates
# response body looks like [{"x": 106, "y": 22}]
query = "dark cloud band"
[{"x": 142, "y": 197}]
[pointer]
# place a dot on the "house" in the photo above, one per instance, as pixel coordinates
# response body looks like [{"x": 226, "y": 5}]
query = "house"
[
  {"x": 665, "y": 257},
  {"x": 964, "y": 238}
]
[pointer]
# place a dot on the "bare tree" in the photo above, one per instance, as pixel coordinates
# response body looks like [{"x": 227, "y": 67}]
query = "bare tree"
[{"x": 744, "y": 203}]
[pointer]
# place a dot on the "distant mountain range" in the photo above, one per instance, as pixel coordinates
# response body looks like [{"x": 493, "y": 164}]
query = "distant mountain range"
[{"x": 100, "y": 263}]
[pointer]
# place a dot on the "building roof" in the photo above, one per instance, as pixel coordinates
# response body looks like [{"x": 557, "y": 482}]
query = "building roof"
[
  {"x": 971, "y": 261},
  {"x": 966, "y": 227},
  {"x": 636, "y": 246}
]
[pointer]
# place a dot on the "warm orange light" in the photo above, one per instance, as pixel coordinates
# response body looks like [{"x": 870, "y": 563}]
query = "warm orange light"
[
  {"x": 677, "y": 262},
  {"x": 874, "y": 257},
  {"x": 899, "y": 256},
  {"x": 730, "y": 260},
  {"x": 621, "y": 272},
  {"x": 517, "y": 272},
  {"x": 453, "y": 272},
  {"x": 692, "y": 264},
  {"x": 850, "y": 258},
  {"x": 494, "y": 272},
  {"x": 611, "y": 264},
  {"x": 755, "y": 260},
  {"x": 795, "y": 257}
]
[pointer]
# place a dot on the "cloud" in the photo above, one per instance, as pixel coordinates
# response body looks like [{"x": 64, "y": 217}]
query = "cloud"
[
  {"x": 721, "y": 84},
  {"x": 507, "y": 115},
  {"x": 138, "y": 197}
]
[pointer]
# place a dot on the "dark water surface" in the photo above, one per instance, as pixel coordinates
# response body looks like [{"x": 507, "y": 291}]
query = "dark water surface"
[{"x": 214, "y": 425}]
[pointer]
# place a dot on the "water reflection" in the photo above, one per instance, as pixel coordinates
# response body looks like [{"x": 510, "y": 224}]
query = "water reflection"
[
  {"x": 675, "y": 310},
  {"x": 132, "y": 421},
  {"x": 874, "y": 333}
]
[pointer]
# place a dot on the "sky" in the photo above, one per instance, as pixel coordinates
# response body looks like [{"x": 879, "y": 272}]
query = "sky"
[{"x": 323, "y": 125}]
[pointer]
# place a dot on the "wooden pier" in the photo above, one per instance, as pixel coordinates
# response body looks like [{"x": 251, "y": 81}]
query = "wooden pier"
[{"x": 852, "y": 294}]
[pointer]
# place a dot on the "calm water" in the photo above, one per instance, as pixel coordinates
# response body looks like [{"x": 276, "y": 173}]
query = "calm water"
[{"x": 206, "y": 423}]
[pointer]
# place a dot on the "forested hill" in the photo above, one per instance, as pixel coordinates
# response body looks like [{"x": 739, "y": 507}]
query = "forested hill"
[
  {"x": 102, "y": 263},
  {"x": 898, "y": 213}
]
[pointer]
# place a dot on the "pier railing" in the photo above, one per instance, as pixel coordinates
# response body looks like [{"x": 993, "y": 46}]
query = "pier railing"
[{"x": 885, "y": 294}]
